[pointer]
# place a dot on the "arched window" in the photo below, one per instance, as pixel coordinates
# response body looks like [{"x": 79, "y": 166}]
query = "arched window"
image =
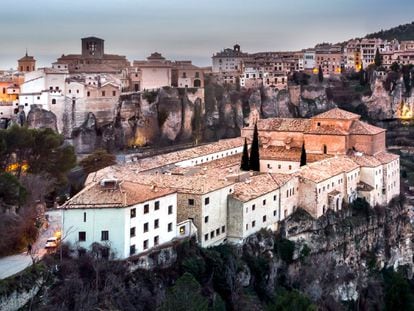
[{"x": 53, "y": 101}]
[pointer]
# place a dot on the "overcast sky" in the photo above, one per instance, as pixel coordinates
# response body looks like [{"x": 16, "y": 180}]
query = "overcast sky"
[{"x": 187, "y": 29}]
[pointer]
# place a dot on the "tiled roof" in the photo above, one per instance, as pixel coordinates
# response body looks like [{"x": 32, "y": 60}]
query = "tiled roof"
[
  {"x": 259, "y": 185},
  {"x": 280, "y": 153},
  {"x": 363, "y": 128},
  {"x": 361, "y": 186},
  {"x": 125, "y": 193},
  {"x": 364, "y": 160},
  {"x": 282, "y": 125},
  {"x": 386, "y": 157},
  {"x": 327, "y": 130},
  {"x": 325, "y": 169},
  {"x": 337, "y": 113}
]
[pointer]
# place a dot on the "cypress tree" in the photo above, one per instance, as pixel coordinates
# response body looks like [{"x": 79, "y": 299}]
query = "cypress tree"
[
  {"x": 244, "y": 166},
  {"x": 254, "y": 161},
  {"x": 320, "y": 74},
  {"x": 303, "y": 156},
  {"x": 377, "y": 58}
]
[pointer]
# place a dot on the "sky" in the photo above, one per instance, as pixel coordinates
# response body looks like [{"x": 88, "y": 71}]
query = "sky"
[{"x": 187, "y": 29}]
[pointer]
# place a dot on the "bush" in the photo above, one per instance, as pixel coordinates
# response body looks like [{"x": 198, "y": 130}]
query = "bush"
[
  {"x": 285, "y": 249},
  {"x": 291, "y": 301}
]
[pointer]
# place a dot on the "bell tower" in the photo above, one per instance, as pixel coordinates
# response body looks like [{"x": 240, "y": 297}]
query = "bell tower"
[
  {"x": 26, "y": 63},
  {"x": 92, "y": 47}
]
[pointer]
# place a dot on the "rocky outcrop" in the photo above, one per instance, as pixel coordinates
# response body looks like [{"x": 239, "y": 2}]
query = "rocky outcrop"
[{"x": 40, "y": 118}]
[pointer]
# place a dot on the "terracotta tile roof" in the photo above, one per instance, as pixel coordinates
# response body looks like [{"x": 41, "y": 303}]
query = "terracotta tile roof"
[
  {"x": 386, "y": 157},
  {"x": 364, "y": 160},
  {"x": 337, "y": 113},
  {"x": 283, "y": 125},
  {"x": 325, "y": 169},
  {"x": 259, "y": 185},
  {"x": 327, "y": 130},
  {"x": 363, "y": 128},
  {"x": 280, "y": 153},
  {"x": 125, "y": 193}
]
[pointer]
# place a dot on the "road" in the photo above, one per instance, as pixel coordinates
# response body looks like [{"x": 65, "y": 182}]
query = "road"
[{"x": 11, "y": 265}]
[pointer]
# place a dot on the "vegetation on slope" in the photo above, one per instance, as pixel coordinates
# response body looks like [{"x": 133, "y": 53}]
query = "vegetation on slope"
[{"x": 401, "y": 32}]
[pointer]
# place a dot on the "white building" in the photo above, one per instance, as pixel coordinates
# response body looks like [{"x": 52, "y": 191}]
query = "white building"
[
  {"x": 124, "y": 217},
  {"x": 228, "y": 60}
]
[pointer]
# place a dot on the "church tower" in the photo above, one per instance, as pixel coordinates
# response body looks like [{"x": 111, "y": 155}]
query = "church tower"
[{"x": 26, "y": 64}]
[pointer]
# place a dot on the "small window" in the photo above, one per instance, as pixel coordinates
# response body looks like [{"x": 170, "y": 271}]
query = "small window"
[
  {"x": 133, "y": 213},
  {"x": 156, "y": 240},
  {"x": 264, "y": 202},
  {"x": 206, "y": 219},
  {"x": 157, "y": 205},
  {"x": 206, "y": 201},
  {"x": 170, "y": 227},
  {"x": 132, "y": 250},
  {"x": 206, "y": 237},
  {"x": 70, "y": 91},
  {"x": 132, "y": 232},
  {"x": 77, "y": 91},
  {"x": 53, "y": 101},
  {"x": 182, "y": 230},
  {"x": 264, "y": 218},
  {"x": 84, "y": 217},
  {"x": 82, "y": 236},
  {"x": 218, "y": 231},
  {"x": 113, "y": 93},
  {"x": 146, "y": 227},
  {"x": 253, "y": 224},
  {"x": 103, "y": 93},
  {"x": 253, "y": 207},
  {"x": 274, "y": 213},
  {"x": 170, "y": 209},
  {"x": 191, "y": 202},
  {"x": 146, "y": 208},
  {"x": 211, "y": 234},
  {"x": 223, "y": 229},
  {"x": 156, "y": 223},
  {"x": 145, "y": 244},
  {"x": 274, "y": 198},
  {"x": 247, "y": 226},
  {"x": 89, "y": 94},
  {"x": 104, "y": 235}
]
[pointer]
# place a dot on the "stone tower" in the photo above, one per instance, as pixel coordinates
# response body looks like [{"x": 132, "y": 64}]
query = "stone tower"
[
  {"x": 26, "y": 63},
  {"x": 92, "y": 47}
]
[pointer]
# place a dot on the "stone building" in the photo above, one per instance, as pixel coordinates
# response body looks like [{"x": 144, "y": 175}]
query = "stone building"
[
  {"x": 26, "y": 63},
  {"x": 228, "y": 60},
  {"x": 185, "y": 74},
  {"x": 154, "y": 73},
  {"x": 93, "y": 58}
]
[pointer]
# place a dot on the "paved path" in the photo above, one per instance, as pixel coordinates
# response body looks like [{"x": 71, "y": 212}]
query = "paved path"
[{"x": 11, "y": 265}]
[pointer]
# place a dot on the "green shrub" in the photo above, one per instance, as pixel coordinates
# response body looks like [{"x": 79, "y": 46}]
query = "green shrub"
[{"x": 285, "y": 249}]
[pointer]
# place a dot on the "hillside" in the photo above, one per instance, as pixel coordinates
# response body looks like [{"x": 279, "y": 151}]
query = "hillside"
[{"x": 401, "y": 32}]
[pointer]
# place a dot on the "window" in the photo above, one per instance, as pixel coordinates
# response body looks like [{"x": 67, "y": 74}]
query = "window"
[
  {"x": 103, "y": 93},
  {"x": 82, "y": 236},
  {"x": 70, "y": 91},
  {"x": 253, "y": 224},
  {"x": 132, "y": 250},
  {"x": 290, "y": 167},
  {"x": 156, "y": 240},
  {"x": 264, "y": 202},
  {"x": 247, "y": 226},
  {"x": 113, "y": 93},
  {"x": 264, "y": 218},
  {"x": 191, "y": 202},
  {"x": 279, "y": 166},
  {"x": 206, "y": 219},
  {"x": 156, "y": 223},
  {"x": 146, "y": 227},
  {"x": 253, "y": 207},
  {"x": 170, "y": 227},
  {"x": 84, "y": 217},
  {"x": 182, "y": 230},
  {"x": 104, "y": 235},
  {"x": 223, "y": 229},
  {"x": 206, "y": 237},
  {"x": 274, "y": 213},
  {"x": 145, "y": 244},
  {"x": 89, "y": 94},
  {"x": 211, "y": 234},
  {"x": 170, "y": 209},
  {"x": 206, "y": 201},
  {"x": 53, "y": 101},
  {"x": 274, "y": 198},
  {"x": 77, "y": 91},
  {"x": 132, "y": 232},
  {"x": 146, "y": 208},
  {"x": 133, "y": 212},
  {"x": 157, "y": 205}
]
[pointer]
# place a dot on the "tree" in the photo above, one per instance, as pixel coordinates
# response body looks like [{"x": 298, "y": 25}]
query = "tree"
[
  {"x": 97, "y": 160},
  {"x": 320, "y": 74},
  {"x": 303, "y": 156},
  {"x": 12, "y": 193},
  {"x": 185, "y": 295},
  {"x": 244, "y": 166},
  {"x": 377, "y": 58},
  {"x": 398, "y": 295},
  {"x": 292, "y": 300},
  {"x": 254, "y": 161},
  {"x": 362, "y": 75},
  {"x": 395, "y": 67}
]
